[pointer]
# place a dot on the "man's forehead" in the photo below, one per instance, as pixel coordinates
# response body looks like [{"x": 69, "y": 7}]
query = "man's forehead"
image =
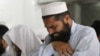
[
  {"x": 49, "y": 21},
  {"x": 49, "y": 25}
]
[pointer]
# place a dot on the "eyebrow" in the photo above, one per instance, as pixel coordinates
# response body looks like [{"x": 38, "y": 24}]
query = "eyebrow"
[{"x": 51, "y": 26}]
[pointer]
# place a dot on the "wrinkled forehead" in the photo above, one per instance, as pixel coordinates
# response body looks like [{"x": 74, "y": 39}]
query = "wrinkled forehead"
[{"x": 49, "y": 21}]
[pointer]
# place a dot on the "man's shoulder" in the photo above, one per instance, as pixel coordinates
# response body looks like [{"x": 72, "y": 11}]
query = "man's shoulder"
[
  {"x": 84, "y": 28},
  {"x": 84, "y": 33}
]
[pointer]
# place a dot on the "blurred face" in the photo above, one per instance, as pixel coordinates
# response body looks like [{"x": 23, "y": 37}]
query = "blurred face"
[
  {"x": 2, "y": 49},
  {"x": 58, "y": 29}
]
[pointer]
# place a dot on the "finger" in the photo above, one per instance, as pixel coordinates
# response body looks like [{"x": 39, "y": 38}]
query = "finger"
[
  {"x": 60, "y": 53},
  {"x": 65, "y": 53},
  {"x": 69, "y": 55},
  {"x": 69, "y": 51}
]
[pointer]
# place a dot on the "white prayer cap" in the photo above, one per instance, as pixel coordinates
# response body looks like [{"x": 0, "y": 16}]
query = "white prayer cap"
[{"x": 54, "y": 8}]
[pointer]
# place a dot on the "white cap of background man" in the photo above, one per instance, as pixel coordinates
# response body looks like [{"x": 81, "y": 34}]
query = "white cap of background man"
[{"x": 54, "y": 8}]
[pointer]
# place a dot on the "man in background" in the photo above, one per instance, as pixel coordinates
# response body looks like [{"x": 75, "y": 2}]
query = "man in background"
[
  {"x": 3, "y": 30},
  {"x": 23, "y": 41}
]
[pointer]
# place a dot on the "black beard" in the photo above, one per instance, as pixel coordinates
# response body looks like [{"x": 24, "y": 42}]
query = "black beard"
[
  {"x": 64, "y": 35},
  {"x": 2, "y": 49}
]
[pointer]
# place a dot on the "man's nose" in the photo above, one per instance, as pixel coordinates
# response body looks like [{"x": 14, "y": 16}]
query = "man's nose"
[{"x": 51, "y": 31}]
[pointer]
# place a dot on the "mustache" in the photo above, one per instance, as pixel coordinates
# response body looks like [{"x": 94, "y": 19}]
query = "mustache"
[
  {"x": 64, "y": 37},
  {"x": 53, "y": 34}
]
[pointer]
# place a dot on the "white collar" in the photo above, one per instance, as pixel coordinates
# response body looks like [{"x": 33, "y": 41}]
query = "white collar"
[{"x": 73, "y": 27}]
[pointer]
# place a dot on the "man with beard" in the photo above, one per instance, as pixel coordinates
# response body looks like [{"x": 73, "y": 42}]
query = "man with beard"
[
  {"x": 3, "y": 30},
  {"x": 66, "y": 38}
]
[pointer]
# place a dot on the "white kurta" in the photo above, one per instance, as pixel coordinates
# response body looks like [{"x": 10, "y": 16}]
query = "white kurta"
[
  {"x": 24, "y": 38},
  {"x": 83, "y": 41},
  {"x": 9, "y": 51}
]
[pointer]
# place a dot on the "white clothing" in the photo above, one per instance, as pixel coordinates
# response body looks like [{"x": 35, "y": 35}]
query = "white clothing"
[
  {"x": 42, "y": 34},
  {"x": 24, "y": 38},
  {"x": 83, "y": 41},
  {"x": 9, "y": 51}
]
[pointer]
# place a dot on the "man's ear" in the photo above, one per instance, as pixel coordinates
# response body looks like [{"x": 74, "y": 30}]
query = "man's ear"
[{"x": 66, "y": 18}]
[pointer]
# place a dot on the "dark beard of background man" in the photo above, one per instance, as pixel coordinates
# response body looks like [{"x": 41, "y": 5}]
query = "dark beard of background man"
[
  {"x": 2, "y": 49},
  {"x": 64, "y": 35}
]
